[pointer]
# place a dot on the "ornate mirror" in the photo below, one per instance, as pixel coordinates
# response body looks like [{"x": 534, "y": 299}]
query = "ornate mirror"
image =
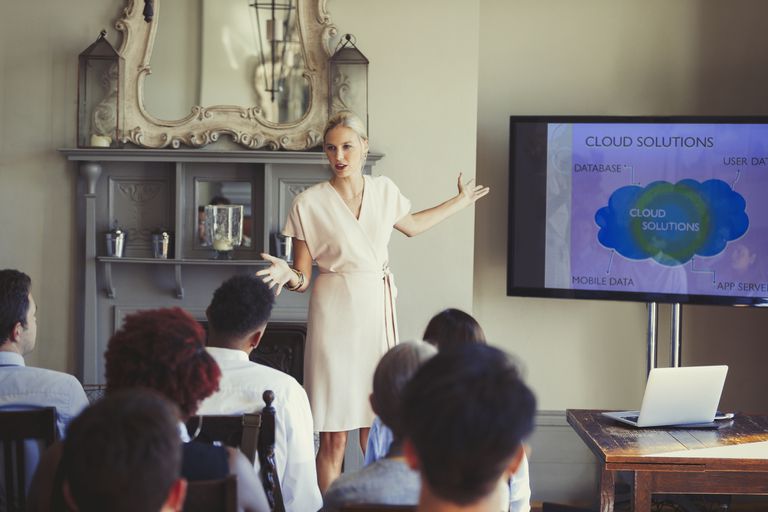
[{"x": 255, "y": 70}]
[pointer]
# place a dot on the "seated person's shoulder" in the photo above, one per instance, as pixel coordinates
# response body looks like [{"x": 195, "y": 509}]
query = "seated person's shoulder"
[
  {"x": 387, "y": 481},
  {"x": 51, "y": 382},
  {"x": 280, "y": 383}
]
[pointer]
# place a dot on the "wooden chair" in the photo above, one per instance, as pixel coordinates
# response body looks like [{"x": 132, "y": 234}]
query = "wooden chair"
[
  {"x": 15, "y": 428},
  {"x": 212, "y": 495},
  {"x": 253, "y": 434}
]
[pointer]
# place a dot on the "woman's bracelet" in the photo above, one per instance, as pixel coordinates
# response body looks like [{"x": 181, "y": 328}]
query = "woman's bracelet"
[{"x": 300, "y": 277}]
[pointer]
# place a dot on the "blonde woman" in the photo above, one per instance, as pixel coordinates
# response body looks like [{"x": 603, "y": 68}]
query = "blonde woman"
[{"x": 344, "y": 225}]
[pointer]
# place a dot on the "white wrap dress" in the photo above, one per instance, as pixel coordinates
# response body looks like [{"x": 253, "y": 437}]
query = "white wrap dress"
[{"x": 352, "y": 320}]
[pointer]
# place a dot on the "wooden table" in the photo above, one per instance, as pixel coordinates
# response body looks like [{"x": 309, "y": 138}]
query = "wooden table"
[{"x": 624, "y": 448}]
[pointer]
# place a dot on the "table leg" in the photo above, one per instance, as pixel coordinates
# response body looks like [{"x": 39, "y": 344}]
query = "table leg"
[
  {"x": 607, "y": 490},
  {"x": 642, "y": 492}
]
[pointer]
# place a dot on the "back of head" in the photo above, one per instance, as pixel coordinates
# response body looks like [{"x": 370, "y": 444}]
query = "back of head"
[
  {"x": 123, "y": 453},
  {"x": 452, "y": 327},
  {"x": 14, "y": 301},
  {"x": 163, "y": 349},
  {"x": 466, "y": 413},
  {"x": 347, "y": 119},
  {"x": 393, "y": 372},
  {"x": 240, "y": 306}
]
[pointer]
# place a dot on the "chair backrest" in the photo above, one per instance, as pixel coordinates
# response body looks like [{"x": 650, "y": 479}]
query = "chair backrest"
[
  {"x": 94, "y": 392},
  {"x": 16, "y": 427},
  {"x": 212, "y": 495},
  {"x": 253, "y": 434}
]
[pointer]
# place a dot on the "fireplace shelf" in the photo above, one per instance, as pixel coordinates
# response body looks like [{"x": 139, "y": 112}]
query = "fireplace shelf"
[
  {"x": 143, "y": 191},
  {"x": 108, "y": 261},
  {"x": 183, "y": 261}
]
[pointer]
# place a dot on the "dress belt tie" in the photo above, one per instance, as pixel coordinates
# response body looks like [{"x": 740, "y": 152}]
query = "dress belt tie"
[{"x": 390, "y": 312}]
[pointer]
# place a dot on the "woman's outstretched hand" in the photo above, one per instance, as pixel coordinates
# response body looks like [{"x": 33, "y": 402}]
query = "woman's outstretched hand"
[
  {"x": 278, "y": 273},
  {"x": 469, "y": 192}
]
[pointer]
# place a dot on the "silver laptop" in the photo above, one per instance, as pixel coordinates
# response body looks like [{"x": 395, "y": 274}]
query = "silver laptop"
[{"x": 678, "y": 396}]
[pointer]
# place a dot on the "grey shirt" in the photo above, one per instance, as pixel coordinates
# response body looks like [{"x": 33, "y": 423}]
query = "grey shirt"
[{"x": 386, "y": 482}]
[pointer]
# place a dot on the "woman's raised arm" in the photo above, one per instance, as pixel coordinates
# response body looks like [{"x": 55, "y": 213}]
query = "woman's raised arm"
[{"x": 416, "y": 223}]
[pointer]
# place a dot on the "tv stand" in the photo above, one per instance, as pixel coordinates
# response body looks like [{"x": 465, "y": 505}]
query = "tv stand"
[{"x": 653, "y": 335}]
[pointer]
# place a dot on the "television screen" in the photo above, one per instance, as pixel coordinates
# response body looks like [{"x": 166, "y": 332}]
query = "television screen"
[{"x": 646, "y": 209}]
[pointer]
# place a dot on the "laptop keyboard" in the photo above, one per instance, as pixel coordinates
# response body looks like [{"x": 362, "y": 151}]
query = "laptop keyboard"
[{"x": 631, "y": 418}]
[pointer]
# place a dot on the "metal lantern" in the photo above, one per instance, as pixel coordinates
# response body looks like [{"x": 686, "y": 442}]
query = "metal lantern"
[
  {"x": 348, "y": 79},
  {"x": 100, "y": 73}
]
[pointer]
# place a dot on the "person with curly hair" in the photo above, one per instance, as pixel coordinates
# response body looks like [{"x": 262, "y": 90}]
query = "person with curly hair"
[{"x": 163, "y": 350}]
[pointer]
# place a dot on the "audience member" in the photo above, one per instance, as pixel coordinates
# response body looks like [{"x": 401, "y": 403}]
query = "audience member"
[
  {"x": 237, "y": 318},
  {"x": 162, "y": 350},
  {"x": 25, "y": 387},
  {"x": 123, "y": 454},
  {"x": 21, "y": 385},
  {"x": 389, "y": 480},
  {"x": 466, "y": 413},
  {"x": 450, "y": 328}
]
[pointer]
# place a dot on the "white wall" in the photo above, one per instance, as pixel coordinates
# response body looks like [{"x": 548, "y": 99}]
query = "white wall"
[
  {"x": 597, "y": 57},
  {"x": 614, "y": 58},
  {"x": 422, "y": 110},
  {"x": 39, "y": 45}
]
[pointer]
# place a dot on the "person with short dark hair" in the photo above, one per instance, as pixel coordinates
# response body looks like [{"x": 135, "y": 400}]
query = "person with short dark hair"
[
  {"x": 466, "y": 413},
  {"x": 22, "y": 386},
  {"x": 237, "y": 317},
  {"x": 123, "y": 454},
  {"x": 25, "y": 387}
]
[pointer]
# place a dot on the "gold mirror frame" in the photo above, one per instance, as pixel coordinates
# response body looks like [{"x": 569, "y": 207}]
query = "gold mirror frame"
[{"x": 204, "y": 125}]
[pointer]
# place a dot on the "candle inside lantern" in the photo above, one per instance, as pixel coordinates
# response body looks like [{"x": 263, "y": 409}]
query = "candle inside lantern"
[
  {"x": 222, "y": 244},
  {"x": 101, "y": 141}
]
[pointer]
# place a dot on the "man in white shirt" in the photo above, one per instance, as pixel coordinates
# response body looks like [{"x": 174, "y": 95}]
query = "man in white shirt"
[{"x": 237, "y": 318}]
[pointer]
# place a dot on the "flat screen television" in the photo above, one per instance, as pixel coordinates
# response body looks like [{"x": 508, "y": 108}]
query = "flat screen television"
[{"x": 652, "y": 209}]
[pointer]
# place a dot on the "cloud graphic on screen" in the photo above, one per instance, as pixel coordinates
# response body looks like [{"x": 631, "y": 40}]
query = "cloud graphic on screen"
[{"x": 671, "y": 223}]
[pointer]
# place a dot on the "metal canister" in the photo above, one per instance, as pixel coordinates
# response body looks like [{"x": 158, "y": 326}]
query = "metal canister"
[
  {"x": 161, "y": 243},
  {"x": 115, "y": 243}
]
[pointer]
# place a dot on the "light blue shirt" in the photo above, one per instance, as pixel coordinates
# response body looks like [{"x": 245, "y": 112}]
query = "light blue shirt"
[
  {"x": 380, "y": 439},
  {"x": 23, "y": 387}
]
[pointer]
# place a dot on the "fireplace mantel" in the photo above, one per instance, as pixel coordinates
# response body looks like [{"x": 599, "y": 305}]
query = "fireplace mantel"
[{"x": 146, "y": 189}]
